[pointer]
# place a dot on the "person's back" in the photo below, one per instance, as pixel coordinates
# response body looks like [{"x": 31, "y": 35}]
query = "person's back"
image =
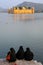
[
  {"x": 20, "y": 53},
  {"x": 13, "y": 55},
  {"x": 28, "y": 55}
]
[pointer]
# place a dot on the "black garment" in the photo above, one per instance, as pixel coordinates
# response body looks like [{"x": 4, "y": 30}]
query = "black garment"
[
  {"x": 12, "y": 55},
  {"x": 28, "y": 55},
  {"x": 20, "y": 53}
]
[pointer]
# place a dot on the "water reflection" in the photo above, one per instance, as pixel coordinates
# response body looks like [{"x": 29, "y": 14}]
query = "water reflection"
[
  {"x": 23, "y": 17},
  {"x": 20, "y": 29},
  {"x": 27, "y": 17}
]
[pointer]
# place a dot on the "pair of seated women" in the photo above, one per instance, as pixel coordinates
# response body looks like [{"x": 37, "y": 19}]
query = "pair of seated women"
[{"x": 20, "y": 55}]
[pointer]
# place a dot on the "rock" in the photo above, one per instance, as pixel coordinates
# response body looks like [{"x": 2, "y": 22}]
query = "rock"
[{"x": 20, "y": 62}]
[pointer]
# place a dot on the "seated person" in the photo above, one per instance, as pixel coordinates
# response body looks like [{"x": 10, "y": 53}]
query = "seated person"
[
  {"x": 28, "y": 55},
  {"x": 11, "y": 56},
  {"x": 20, "y": 53}
]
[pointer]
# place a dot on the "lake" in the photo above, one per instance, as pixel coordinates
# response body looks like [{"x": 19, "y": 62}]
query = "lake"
[{"x": 22, "y": 29}]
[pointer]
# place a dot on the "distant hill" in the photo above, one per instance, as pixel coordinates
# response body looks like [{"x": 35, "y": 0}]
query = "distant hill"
[{"x": 38, "y": 6}]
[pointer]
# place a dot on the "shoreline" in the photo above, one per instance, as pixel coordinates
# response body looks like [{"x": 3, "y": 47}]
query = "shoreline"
[{"x": 19, "y": 62}]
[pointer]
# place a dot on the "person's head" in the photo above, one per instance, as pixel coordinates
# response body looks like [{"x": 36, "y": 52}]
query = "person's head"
[
  {"x": 21, "y": 47},
  {"x": 12, "y": 50},
  {"x": 28, "y": 49}
]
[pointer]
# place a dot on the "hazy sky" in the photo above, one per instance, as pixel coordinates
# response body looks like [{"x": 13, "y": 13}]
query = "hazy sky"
[{"x": 10, "y": 3}]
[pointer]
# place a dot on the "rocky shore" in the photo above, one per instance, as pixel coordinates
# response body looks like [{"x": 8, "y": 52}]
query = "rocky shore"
[{"x": 19, "y": 62}]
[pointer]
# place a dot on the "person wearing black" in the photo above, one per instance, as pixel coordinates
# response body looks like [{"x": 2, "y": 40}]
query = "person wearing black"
[
  {"x": 20, "y": 53},
  {"x": 12, "y": 55},
  {"x": 28, "y": 55}
]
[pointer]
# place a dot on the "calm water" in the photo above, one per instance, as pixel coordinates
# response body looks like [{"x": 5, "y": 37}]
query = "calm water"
[{"x": 25, "y": 30}]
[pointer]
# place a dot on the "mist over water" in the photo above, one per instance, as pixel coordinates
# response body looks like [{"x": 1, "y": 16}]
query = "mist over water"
[{"x": 22, "y": 29}]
